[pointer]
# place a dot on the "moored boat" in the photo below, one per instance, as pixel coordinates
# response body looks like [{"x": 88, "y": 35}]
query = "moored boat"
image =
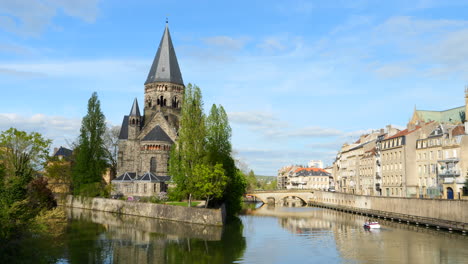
[{"x": 371, "y": 225}]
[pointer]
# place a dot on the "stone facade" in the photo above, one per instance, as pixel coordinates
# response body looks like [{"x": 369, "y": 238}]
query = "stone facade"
[
  {"x": 145, "y": 140},
  {"x": 428, "y": 159}
]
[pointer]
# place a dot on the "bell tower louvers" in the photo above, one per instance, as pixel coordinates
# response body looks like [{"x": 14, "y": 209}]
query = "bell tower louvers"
[{"x": 145, "y": 140}]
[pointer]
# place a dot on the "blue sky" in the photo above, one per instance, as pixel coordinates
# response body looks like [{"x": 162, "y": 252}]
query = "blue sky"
[{"x": 297, "y": 78}]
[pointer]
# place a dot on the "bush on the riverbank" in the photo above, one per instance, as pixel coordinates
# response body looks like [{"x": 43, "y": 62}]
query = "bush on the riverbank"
[{"x": 23, "y": 193}]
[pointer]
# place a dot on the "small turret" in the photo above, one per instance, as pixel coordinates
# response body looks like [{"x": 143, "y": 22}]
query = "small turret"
[{"x": 134, "y": 121}]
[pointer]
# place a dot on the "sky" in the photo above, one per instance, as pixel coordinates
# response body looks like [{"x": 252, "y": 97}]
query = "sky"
[{"x": 297, "y": 78}]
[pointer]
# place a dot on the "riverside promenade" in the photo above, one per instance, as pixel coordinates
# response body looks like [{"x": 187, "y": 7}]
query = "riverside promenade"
[{"x": 438, "y": 213}]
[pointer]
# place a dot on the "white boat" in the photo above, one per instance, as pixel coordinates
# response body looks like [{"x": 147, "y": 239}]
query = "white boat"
[{"x": 371, "y": 225}]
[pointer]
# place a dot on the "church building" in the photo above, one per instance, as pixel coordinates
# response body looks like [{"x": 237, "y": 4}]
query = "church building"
[{"x": 145, "y": 140}]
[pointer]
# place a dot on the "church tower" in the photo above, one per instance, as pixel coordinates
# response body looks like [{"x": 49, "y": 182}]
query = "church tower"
[
  {"x": 145, "y": 140},
  {"x": 164, "y": 87}
]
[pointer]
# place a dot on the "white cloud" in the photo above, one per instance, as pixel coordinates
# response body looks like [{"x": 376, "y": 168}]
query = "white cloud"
[
  {"x": 393, "y": 70},
  {"x": 98, "y": 68},
  {"x": 227, "y": 42},
  {"x": 271, "y": 44},
  {"x": 31, "y": 17},
  {"x": 58, "y": 128},
  {"x": 256, "y": 119}
]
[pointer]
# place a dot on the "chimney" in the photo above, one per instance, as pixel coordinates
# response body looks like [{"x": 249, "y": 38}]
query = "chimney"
[{"x": 55, "y": 150}]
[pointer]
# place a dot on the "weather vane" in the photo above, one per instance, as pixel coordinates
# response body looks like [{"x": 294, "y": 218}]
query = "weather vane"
[{"x": 167, "y": 19}]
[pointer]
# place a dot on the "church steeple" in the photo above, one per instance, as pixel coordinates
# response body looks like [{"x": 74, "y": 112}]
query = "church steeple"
[
  {"x": 135, "y": 111},
  {"x": 165, "y": 67}
]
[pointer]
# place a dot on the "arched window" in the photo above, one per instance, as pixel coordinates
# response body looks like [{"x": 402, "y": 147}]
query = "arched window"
[{"x": 153, "y": 165}]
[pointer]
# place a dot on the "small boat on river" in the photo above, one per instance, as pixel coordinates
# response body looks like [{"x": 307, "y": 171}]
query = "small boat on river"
[{"x": 371, "y": 225}]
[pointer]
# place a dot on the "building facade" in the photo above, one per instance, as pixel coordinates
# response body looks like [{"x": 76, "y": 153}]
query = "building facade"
[
  {"x": 428, "y": 159},
  {"x": 145, "y": 139}
]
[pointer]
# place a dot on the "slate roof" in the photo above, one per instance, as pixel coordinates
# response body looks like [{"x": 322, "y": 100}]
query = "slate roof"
[
  {"x": 63, "y": 152},
  {"x": 126, "y": 177},
  {"x": 150, "y": 177},
  {"x": 124, "y": 129},
  {"x": 157, "y": 134},
  {"x": 165, "y": 67},
  {"x": 311, "y": 172},
  {"x": 135, "y": 111}
]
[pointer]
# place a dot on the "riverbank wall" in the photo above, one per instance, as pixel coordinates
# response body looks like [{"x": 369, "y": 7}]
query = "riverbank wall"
[
  {"x": 449, "y": 214},
  {"x": 160, "y": 211}
]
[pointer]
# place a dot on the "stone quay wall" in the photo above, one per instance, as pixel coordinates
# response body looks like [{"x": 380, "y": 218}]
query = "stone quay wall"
[
  {"x": 447, "y": 210},
  {"x": 161, "y": 211}
]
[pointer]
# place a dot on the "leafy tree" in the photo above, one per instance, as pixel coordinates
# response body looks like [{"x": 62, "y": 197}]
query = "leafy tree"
[
  {"x": 251, "y": 181},
  {"x": 59, "y": 173},
  {"x": 22, "y": 155},
  {"x": 111, "y": 138},
  {"x": 219, "y": 151},
  {"x": 189, "y": 150},
  {"x": 91, "y": 152},
  {"x": 210, "y": 181},
  {"x": 39, "y": 196},
  {"x": 234, "y": 192}
]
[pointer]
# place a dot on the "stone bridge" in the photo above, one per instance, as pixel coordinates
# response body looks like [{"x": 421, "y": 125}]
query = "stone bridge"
[{"x": 282, "y": 196}]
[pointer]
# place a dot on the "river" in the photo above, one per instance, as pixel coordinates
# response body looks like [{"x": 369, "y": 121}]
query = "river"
[{"x": 260, "y": 235}]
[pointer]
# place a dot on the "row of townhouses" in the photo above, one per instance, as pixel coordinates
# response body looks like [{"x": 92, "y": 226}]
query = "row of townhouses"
[
  {"x": 305, "y": 177},
  {"x": 428, "y": 159}
]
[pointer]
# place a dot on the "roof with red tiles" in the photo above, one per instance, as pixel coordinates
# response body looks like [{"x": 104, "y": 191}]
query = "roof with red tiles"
[{"x": 458, "y": 130}]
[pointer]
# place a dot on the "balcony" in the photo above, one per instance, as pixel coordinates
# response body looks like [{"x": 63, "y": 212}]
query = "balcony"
[{"x": 449, "y": 173}]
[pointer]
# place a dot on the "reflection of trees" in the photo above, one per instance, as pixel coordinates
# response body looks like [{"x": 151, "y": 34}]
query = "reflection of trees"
[
  {"x": 230, "y": 248},
  {"x": 83, "y": 243}
]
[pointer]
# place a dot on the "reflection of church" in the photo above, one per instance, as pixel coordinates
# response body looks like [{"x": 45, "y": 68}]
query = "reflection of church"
[{"x": 145, "y": 140}]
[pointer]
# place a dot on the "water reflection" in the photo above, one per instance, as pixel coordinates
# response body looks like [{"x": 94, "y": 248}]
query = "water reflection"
[
  {"x": 262, "y": 235},
  {"x": 394, "y": 243},
  {"x": 131, "y": 239}
]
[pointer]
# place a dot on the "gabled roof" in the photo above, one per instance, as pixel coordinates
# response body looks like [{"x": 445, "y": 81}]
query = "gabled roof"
[
  {"x": 135, "y": 111},
  {"x": 165, "y": 67},
  {"x": 150, "y": 177},
  {"x": 126, "y": 177},
  {"x": 157, "y": 134},
  {"x": 63, "y": 152},
  {"x": 124, "y": 129},
  {"x": 403, "y": 133}
]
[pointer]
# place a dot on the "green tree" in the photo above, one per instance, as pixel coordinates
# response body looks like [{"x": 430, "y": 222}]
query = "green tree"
[
  {"x": 22, "y": 194},
  {"x": 210, "y": 181},
  {"x": 251, "y": 181},
  {"x": 189, "y": 149},
  {"x": 91, "y": 153},
  {"x": 111, "y": 138},
  {"x": 219, "y": 151}
]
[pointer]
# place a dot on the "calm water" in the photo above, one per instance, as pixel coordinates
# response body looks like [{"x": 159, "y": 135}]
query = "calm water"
[{"x": 263, "y": 235}]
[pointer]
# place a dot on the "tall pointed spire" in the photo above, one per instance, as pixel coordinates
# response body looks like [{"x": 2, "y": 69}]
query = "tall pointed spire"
[
  {"x": 135, "y": 109},
  {"x": 165, "y": 67}
]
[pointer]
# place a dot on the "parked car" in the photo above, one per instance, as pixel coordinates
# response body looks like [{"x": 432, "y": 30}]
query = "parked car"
[
  {"x": 117, "y": 196},
  {"x": 331, "y": 189}
]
